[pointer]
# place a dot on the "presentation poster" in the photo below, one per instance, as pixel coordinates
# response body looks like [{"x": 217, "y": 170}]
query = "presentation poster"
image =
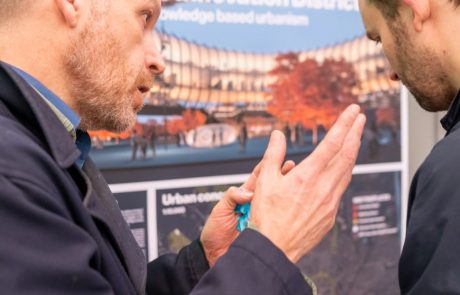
[
  {"x": 182, "y": 212},
  {"x": 133, "y": 207},
  {"x": 235, "y": 71},
  {"x": 358, "y": 256}
]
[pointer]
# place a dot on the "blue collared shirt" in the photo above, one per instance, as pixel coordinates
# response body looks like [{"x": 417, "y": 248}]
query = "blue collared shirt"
[{"x": 82, "y": 139}]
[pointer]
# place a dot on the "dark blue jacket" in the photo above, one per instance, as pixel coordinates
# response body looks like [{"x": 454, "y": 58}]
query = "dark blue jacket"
[
  {"x": 62, "y": 232},
  {"x": 430, "y": 260}
]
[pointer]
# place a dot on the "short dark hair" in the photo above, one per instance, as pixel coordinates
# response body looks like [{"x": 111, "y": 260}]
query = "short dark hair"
[{"x": 389, "y": 8}]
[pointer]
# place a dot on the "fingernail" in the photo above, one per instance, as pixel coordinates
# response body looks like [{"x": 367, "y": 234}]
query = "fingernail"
[
  {"x": 355, "y": 108},
  {"x": 246, "y": 193},
  {"x": 275, "y": 135},
  {"x": 272, "y": 135}
]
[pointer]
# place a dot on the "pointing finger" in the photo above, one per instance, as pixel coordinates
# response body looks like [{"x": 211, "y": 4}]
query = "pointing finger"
[
  {"x": 274, "y": 155},
  {"x": 333, "y": 141}
]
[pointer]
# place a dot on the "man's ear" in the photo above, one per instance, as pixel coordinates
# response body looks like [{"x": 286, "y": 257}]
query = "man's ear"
[
  {"x": 70, "y": 11},
  {"x": 421, "y": 10}
]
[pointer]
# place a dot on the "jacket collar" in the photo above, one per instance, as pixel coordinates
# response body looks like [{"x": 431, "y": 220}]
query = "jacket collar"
[
  {"x": 453, "y": 114},
  {"x": 29, "y": 108},
  {"x": 34, "y": 113},
  {"x": 102, "y": 205},
  {"x": 58, "y": 104}
]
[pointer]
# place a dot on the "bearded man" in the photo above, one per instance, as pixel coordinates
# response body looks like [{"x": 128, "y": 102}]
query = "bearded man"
[
  {"x": 419, "y": 41},
  {"x": 72, "y": 65}
]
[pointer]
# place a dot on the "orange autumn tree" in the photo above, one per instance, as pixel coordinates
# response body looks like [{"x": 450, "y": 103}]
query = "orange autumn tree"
[
  {"x": 175, "y": 126},
  {"x": 193, "y": 119},
  {"x": 310, "y": 93},
  {"x": 189, "y": 120},
  {"x": 104, "y": 135}
]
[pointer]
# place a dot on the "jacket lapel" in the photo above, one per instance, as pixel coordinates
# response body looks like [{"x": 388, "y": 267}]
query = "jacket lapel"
[
  {"x": 25, "y": 104},
  {"x": 102, "y": 206}
]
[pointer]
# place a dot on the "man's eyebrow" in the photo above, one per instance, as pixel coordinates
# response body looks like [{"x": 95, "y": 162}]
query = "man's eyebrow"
[{"x": 155, "y": 3}]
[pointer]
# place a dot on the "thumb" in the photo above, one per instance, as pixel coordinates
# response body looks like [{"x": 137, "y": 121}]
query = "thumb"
[
  {"x": 274, "y": 156},
  {"x": 235, "y": 196}
]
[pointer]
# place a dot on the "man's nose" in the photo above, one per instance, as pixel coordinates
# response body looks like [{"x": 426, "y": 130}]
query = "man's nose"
[{"x": 153, "y": 59}]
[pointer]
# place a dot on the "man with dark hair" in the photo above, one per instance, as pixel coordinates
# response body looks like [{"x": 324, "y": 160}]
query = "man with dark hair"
[
  {"x": 67, "y": 66},
  {"x": 419, "y": 38}
]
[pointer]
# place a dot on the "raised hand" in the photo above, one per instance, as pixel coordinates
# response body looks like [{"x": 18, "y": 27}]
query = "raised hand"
[{"x": 296, "y": 210}]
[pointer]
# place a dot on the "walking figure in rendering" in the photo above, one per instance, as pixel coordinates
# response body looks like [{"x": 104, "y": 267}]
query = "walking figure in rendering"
[{"x": 243, "y": 137}]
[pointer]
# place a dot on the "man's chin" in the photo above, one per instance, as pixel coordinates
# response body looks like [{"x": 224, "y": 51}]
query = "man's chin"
[
  {"x": 430, "y": 105},
  {"x": 117, "y": 125},
  {"x": 123, "y": 126}
]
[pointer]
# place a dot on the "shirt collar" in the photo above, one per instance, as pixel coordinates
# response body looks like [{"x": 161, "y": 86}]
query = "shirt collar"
[
  {"x": 64, "y": 109},
  {"x": 30, "y": 110},
  {"x": 453, "y": 114},
  {"x": 83, "y": 143}
]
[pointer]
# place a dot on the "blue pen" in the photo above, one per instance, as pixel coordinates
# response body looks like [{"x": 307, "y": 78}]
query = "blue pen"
[{"x": 244, "y": 210}]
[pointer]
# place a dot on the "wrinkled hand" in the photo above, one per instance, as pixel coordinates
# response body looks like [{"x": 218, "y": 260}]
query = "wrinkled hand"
[
  {"x": 220, "y": 228},
  {"x": 296, "y": 210}
]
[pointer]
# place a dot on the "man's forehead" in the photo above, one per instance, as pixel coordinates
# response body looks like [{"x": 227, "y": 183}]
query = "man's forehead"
[
  {"x": 151, "y": 3},
  {"x": 370, "y": 16},
  {"x": 369, "y": 12}
]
